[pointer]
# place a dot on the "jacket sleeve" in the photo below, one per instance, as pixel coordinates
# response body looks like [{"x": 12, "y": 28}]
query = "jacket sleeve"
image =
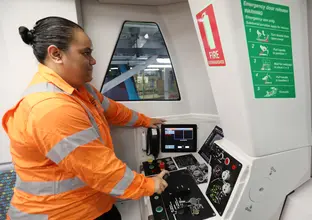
[
  {"x": 64, "y": 134},
  {"x": 118, "y": 114}
]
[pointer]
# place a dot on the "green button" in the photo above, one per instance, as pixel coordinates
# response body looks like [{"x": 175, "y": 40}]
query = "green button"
[
  {"x": 151, "y": 167},
  {"x": 156, "y": 197},
  {"x": 159, "y": 209}
]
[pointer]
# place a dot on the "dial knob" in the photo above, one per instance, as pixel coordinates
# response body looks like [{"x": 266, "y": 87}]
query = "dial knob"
[
  {"x": 226, "y": 175},
  {"x": 226, "y": 188}
]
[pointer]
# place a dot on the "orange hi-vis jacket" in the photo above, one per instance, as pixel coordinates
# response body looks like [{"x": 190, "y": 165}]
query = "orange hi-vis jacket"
[{"x": 63, "y": 152}]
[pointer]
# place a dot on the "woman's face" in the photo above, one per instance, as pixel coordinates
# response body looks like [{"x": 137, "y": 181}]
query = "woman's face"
[{"x": 77, "y": 60}]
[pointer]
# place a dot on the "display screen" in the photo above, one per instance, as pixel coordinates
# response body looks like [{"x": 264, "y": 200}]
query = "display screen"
[{"x": 177, "y": 138}]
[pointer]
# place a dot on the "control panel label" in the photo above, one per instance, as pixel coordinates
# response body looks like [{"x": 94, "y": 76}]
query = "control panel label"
[
  {"x": 208, "y": 28},
  {"x": 268, "y": 33}
]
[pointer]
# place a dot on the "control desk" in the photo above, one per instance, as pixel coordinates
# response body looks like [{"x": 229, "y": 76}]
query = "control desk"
[{"x": 199, "y": 184}]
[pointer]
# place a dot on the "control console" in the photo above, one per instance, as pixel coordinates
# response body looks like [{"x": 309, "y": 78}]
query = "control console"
[
  {"x": 181, "y": 200},
  {"x": 225, "y": 171}
]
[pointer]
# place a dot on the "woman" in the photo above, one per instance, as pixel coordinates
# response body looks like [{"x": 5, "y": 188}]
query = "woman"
[{"x": 60, "y": 138}]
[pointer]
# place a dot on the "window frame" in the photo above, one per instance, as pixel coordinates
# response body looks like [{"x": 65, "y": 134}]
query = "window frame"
[{"x": 175, "y": 77}]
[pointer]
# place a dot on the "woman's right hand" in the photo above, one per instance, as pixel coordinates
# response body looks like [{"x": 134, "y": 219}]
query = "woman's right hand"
[{"x": 160, "y": 183}]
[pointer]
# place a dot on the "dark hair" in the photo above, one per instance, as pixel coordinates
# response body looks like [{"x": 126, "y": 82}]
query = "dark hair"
[{"x": 49, "y": 31}]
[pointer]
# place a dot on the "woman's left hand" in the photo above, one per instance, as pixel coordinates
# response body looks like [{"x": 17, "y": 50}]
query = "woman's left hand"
[{"x": 156, "y": 121}]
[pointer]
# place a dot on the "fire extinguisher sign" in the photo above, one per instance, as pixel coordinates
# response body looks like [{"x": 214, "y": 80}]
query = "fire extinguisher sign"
[{"x": 210, "y": 36}]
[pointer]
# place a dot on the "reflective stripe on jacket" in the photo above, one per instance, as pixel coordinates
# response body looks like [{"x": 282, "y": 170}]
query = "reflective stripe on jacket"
[{"x": 63, "y": 153}]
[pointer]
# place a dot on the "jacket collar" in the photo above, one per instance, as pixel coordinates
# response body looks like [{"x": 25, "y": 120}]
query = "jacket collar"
[{"x": 54, "y": 78}]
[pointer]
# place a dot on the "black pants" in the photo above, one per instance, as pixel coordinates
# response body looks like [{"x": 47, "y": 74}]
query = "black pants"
[{"x": 112, "y": 214}]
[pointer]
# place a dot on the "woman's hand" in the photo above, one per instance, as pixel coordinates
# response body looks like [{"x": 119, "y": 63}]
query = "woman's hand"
[{"x": 156, "y": 121}]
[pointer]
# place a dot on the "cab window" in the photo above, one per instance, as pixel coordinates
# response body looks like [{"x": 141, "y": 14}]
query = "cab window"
[{"x": 140, "y": 68}]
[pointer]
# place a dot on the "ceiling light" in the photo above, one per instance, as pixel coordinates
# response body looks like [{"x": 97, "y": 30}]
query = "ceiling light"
[
  {"x": 142, "y": 58},
  {"x": 146, "y": 36},
  {"x": 114, "y": 68},
  {"x": 151, "y": 69},
  {"x": 160, "y": 66},
  {"x": 163, "y": 60}
]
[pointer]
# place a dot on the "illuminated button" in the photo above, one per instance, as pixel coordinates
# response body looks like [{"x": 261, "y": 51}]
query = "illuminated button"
[
  {"x": 150, "y": 160},
  {"x": 162, "y": 165},
  {"x": 159, "y": 209},
  {"x": 234, "y": 167},
  {"x": 227, "y": 161},
  {"x": 151, "y": 167},
  {"x": 156, "y": 197}
]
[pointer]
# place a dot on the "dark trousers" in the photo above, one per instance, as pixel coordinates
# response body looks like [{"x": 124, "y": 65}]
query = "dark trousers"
[{"x": 112, "y": 214}]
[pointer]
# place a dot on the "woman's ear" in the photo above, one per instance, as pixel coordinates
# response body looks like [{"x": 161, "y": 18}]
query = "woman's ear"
[{"x": 55, "y": 54}]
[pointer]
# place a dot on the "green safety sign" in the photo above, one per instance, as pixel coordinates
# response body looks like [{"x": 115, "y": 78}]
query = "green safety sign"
[{"x": 268, "y": 33}]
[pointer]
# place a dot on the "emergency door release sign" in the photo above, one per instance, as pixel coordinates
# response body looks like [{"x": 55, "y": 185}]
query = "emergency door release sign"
[{"x": 210, "y": 36}]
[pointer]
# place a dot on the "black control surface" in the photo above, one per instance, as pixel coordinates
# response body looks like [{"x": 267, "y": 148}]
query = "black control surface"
[
  {"x": 182, "y": 200},
  {"x": 153, "y": 168},
  {"x": 185, "y": 160},
  {"x": 225, "y": 171}
]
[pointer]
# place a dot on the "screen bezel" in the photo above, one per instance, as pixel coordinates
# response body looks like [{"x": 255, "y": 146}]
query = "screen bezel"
[{"x": 164, "y": 126}]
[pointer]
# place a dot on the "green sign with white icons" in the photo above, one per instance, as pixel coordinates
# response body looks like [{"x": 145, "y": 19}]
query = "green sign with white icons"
[{"x": 268, "y": 34}]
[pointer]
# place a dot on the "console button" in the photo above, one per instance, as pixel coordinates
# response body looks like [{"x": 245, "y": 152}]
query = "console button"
[
  {"x": 162, "y": 165},
  {"x": 226, "y": 188},
  {"x": 227, "y": 161},
  {"x": 159, "y": 209},
  {"x": 226, "y": 175}
]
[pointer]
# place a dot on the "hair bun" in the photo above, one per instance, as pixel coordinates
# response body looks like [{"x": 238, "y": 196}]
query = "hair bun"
[{"x": 26, "y": 35}]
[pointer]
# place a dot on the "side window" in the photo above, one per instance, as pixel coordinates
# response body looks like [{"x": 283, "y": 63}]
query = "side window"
[{"x": 140, "y": 68}]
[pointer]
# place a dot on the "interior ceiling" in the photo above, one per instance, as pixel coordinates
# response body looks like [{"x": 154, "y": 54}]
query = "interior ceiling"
[{"x": 142, "y": 2}]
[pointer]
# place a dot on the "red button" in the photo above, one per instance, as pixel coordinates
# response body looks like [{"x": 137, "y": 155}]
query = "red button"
[
  {"x": 162, "y": 165},
  {"x": 227, "y": 161},
  {"x": 234, "y": 167}
]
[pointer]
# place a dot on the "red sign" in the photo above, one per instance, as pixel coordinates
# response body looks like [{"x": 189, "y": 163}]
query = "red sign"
[{"x": 210, "y": 36}]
